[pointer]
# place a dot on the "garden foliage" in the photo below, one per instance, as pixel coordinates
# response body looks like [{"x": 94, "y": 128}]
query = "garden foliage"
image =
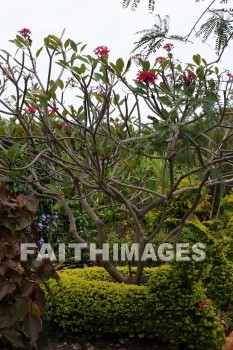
[
  {"x": 86, "y": 302},
  {"x": 21, "y": 297}
]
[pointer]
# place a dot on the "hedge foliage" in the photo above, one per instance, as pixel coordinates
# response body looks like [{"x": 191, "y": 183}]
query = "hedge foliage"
[{"x": 86, "y": 302}]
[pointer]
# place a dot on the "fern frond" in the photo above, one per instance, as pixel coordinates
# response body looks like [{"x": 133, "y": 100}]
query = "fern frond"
[
  {"x": 152, "y": 38},
  {"x": 134, "y": 4},
  {"x": 219, "y": 27},
  {"x": 126, "y": 3}
]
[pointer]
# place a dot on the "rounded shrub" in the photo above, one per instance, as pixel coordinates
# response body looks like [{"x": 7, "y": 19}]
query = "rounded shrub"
[
  {"x": 184, "y": 315},
  {"x": 86, "y": 302},
  {"x": 98, "y": 307}
]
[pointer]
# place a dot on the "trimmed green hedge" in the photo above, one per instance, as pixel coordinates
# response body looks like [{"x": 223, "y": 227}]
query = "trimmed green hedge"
[
  {"x": 100, "y": 274},
  {"x": 176, "y": 300},
  {"x": 165, "y": 308}
]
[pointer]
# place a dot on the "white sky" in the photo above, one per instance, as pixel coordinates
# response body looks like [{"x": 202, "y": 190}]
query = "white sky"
[{"x": 103, "y": 22}]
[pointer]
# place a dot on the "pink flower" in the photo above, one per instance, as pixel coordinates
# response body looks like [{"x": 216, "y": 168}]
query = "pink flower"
[
  {"x": 31, "y": 109},
  {"x": 189, "y": 78},
  {"x": 168, "y": 47},
  {"x": 53, "y": 110},
  {"x": 191, "y": 75},
  {"x": 230, "y": 75},
  {"x": 66, "y": 125},
  {"x": 146, "y": 77},
  {"x": 160, "y": 59},
  {"x": 202, "y": 305},
  {"x": 101, "y": 51},
  {"x": 25, "y": 32},
  {"x": 137, "y": 56}
]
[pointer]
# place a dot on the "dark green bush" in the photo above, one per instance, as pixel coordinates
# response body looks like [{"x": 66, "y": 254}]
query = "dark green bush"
[
  {"x": 184, "y": 315},
  {"x": 216, "y": 271},
  {"x": 219, "y": 283},
  {"x": 167, "y": 308}
]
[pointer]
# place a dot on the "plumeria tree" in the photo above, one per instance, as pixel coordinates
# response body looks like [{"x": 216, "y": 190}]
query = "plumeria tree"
[{"x": 86, "y": 129}]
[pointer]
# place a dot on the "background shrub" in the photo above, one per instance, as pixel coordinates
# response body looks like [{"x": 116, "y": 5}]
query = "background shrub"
[{"x": 167, "y": 308}]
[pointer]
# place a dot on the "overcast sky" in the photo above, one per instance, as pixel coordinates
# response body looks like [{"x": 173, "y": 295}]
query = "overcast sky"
[{"x": 103, "y": 22}]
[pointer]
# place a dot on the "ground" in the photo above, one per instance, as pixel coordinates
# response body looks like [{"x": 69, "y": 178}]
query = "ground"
[
  {"x": 107, "y": 345},
  {"x": 136, "y": 345}
]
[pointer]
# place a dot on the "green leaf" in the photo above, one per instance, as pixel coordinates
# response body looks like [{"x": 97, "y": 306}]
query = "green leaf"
[
  {"x": 38, "y": 52},
  {"x": 81, "y": 58},
  {"x": 197, "y": 59},
  {"x": 116, "y": 99},
  {"x": 211, "y": 96},
  {"x": 66, "y": 44},
  {"x": 83, "y": 47},
  {"x": 100, "y": 77},
  {"x": 73, "y": 46},
  {"x": 165, "y": 100},
  {"x": 12, "y": 153},
  {"x": 200, "y": 72},
  {"x": 179, "y": 68},
  {"x": 204, "y": 61},
  {"x": 145, "y": 65},
  {"x": 128, "y": 65},
  {"x": 54, "y": 188},
  {"x": 6, "y": 53},
  {"x": 58, "y": 205},
  {"x": 56, "y": 40},
  {"x": 60, "y": 84},
  {"x": 83, "y": 68},
  {"x": 119, "y": 66}
]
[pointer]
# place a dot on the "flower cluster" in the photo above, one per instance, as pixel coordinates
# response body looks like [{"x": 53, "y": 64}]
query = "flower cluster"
[
  {"x": 146, "y": 77},
  {"x": 41, "y": 242},
  {"x": 160, "y": 59},
  {"x": 189, "y": 78},
  {"x": 101, "y": 51},
  {"x": 47, "y": 221},
  {"x": 25, "y": 32},
  {"x": 203, "y": 304},
  {"x": 136, "y": 57},
  {"x": 168, "y": 47},
  {"x": 230, "y": 75},
  {"x": 31, "y": 109}
]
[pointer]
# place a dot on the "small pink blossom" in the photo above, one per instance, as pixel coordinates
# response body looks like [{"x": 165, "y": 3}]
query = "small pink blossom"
[
  {"x": 192, "y": 75},
  {"x": 160, "y": 59},
  {"x": 66, "y": 125},
  {"x": 230, "y": 75},
  {"x": 202, "y": 305},
  {"x": 136, "y": 57},
  {"x": 189, "y": 78},
  {"x": 31, "y": 109},
  {"x": 53, "y": 110},
  {"x": 146, "y": 77},
  {"x": 101, "y": 51},
  {"x": 168, "y": 47},
  {"x": 25, "y": 32}
]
